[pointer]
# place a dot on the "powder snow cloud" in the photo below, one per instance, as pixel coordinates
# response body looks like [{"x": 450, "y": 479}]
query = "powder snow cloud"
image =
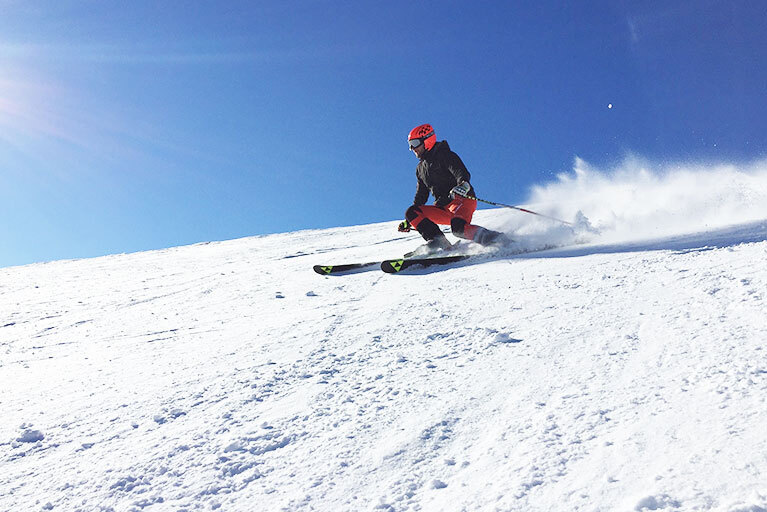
[{"x": 638, "y": 199}]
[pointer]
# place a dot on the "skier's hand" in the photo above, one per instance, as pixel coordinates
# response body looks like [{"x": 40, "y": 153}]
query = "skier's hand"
[
  {"x": 462, "y": 189},
  {"x": 404, "y": 227}
]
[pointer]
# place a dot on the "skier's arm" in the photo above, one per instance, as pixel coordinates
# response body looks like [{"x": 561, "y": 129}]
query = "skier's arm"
[
  {"x": 458, "y": 169},
  {"x": 421, "y": 194},
  {"x": 462, "y": 176}
]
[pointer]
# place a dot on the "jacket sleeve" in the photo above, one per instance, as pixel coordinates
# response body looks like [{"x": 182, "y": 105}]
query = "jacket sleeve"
[
  {"x": 457, "y": 169},
  {"x": 421, "y": 193}
]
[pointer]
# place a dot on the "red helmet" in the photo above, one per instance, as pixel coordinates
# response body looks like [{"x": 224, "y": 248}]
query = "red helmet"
[{"x": 422, "y": 134}]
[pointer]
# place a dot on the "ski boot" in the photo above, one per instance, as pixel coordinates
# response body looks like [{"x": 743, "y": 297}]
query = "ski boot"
[
  {"x": 491, "y": 238},
  {"x": 436, "y": 245}
]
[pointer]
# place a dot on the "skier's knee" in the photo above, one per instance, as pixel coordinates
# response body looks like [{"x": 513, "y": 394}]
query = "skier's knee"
[
  {"x": 458, "y": 226},
  {"x": 412, "y": 212}
]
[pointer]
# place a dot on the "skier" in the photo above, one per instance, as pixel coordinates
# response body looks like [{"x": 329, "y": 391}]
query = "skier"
[{"x": 441, "y": 172}]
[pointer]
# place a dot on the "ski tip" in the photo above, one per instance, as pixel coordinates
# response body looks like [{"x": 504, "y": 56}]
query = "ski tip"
[
  {"x": 323, "y": 269},
  {"x": 392, "y": 266}
]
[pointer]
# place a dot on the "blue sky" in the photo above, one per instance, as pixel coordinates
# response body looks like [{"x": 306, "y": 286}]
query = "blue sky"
[{"x": 128, "y": 126}]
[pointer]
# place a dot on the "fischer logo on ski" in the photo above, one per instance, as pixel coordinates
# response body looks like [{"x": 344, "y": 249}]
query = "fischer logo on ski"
[
  {"x": 398, "y": 265},
  {"x": 325, "y": 270}
]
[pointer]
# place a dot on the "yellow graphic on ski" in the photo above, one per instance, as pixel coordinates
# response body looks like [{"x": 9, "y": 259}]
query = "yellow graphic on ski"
[
  {"x": 398, "y": 265},
  {"x": 346, "y": 268}
]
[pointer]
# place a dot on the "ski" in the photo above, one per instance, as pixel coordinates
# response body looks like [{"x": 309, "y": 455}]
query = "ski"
[
  {"x": 398, "y": 265},
  {"x": 325, "y": 270},
  {"x": 389, "y": 266},
  {"x": 394, "y": 266}
]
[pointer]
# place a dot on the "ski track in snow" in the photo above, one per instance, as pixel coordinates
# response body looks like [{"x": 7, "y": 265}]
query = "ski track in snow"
[{"x": 229, "y": 376}]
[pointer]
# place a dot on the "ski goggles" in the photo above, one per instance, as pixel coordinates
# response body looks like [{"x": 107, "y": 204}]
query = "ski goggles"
[{"x": 414, "y": 143}]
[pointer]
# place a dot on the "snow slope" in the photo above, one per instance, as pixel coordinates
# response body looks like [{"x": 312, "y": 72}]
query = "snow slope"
[{"x": 625, "y": 373}]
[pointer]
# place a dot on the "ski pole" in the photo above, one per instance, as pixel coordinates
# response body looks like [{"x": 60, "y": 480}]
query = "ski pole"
[{"x": 520, "y": 209}]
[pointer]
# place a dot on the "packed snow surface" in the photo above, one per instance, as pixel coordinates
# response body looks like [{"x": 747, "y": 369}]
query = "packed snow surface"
[{"x": 624, "y": 369}]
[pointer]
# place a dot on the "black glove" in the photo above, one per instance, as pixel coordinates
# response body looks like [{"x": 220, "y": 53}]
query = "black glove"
[{"x": 404, "y": 227}]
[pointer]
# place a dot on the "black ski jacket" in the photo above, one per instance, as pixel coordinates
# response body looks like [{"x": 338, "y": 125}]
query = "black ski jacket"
[{"x": 438, "y": 172}]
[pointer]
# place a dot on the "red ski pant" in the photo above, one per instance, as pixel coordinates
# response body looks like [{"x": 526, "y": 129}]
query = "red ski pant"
[{"x": 457, "y": 214}]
